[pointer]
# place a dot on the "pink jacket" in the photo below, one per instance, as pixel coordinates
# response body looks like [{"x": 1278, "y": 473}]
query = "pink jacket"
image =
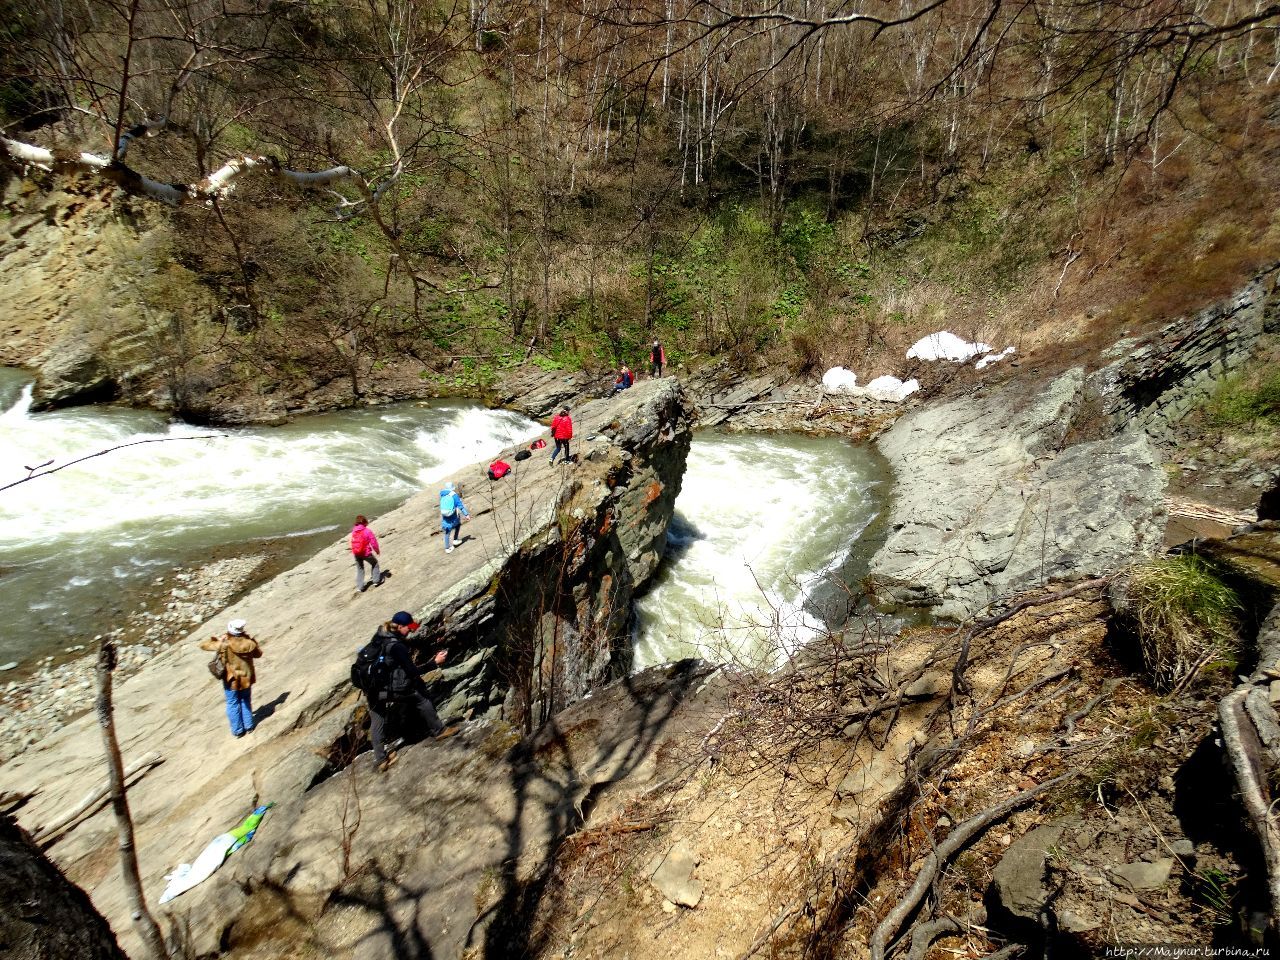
[{"x": 363, "y": 541}]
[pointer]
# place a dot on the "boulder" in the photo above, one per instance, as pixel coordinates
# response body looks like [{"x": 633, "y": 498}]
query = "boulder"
[
  {"x": 1142, "y": 876},
  {"x": 1018, "y": 879},
  {"x": 987, "y": 502},
  {"x": 672, "y": 876}
]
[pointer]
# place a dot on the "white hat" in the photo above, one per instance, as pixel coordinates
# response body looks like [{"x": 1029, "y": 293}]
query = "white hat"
[{"x": 236, "y": 628}]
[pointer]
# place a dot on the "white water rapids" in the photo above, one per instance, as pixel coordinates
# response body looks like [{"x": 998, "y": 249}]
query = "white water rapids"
[
  {"x": 768, "y": 530},
  {"x": 760, "y": 522},
  {"x": 81, "y": 542}
]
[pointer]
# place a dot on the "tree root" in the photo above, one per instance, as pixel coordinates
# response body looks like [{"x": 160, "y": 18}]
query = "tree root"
[
  {"x": 944, "y": 851},
  {"x": 1250, "y": 756},
  {"x": 924, "y": 934}
]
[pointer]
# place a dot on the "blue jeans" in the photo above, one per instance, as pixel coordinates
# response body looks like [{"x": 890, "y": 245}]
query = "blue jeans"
[
  {"x": 452, "y": 527},
  {"x": 239, "y": 710},
  {"x": 560, "y": 445}
]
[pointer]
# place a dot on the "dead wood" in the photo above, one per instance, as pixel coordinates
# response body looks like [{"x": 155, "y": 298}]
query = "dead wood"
[
  {"x": 955, "y": 841},
  {"x": 94, "y": 801},
  {"x": 1249, "y": 762}
]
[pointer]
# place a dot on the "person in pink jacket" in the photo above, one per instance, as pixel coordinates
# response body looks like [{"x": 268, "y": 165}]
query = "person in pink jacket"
[{"x": 364, "y": 547}]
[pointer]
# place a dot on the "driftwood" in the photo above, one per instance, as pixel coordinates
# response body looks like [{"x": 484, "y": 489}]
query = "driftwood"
[
  {"x": 943, "y": 852},
  {"x": 94, "y": 801}
]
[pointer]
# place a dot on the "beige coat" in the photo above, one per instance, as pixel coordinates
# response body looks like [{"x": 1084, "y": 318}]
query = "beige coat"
[{"x": 238, "y": 653}]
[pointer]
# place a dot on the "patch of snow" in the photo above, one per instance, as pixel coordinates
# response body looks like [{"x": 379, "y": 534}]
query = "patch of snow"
[
  {"x": 991, "y": 358},
  {"x": 840, "y": 380},
  {"x": 891, "y": 389},
  {"x": 946, "y": 346}
]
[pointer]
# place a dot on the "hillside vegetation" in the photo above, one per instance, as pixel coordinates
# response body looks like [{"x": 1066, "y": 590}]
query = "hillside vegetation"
[{"x": 796, "y": 181}]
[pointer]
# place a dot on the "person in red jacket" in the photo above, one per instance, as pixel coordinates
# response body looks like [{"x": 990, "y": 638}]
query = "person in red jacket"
[
  {"x": 364, "y": 547},
  {"x": 657, "y": 357},
  {"x": 562, "y": 433}
]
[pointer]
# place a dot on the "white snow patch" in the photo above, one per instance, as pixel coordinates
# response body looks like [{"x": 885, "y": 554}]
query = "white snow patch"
[
  {"x": 991, "y": 358},
  {"x": 840, "y": 380},
  {"x": 891, "y": 389},
  {"x": 946, "y": 346}
]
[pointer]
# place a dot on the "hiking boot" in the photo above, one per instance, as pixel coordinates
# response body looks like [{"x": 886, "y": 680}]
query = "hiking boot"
[
  {"x": 362, "y": 588},
  {"x": 448, "y": 732},
  {"x": 448, "y": 549},
  {"x": 388, "y": 762}
]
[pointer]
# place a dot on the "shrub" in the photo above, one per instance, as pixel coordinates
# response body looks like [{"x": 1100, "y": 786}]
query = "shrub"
[{"x": 1184, "y": 618}]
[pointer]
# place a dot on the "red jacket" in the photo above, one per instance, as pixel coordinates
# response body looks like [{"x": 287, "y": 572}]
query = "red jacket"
[
  {"x": 363, "y": 542},
  {"x": 657, "y": 354},
  {"x": 562, "y": 427}
]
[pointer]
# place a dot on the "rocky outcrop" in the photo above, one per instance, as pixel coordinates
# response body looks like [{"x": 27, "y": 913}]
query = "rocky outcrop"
[
  {"x": 570, "y": 543},
  {"x": 41, "y": 914},
  {"x": 74, "y": 271},
  {"x": 1159, "y": 379},
  {"x": 989, "y": 502},
  {"x": 449, "y": 853}
]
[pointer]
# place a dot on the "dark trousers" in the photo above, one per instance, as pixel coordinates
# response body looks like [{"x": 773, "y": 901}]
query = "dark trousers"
[
  {"x": 559, "y": 445},
  {"x": 655, "y": 368},
  {"x": 378, "y": 720}
]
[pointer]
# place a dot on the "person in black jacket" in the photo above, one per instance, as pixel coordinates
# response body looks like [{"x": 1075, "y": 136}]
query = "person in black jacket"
[{"x": 413, "y": 691}]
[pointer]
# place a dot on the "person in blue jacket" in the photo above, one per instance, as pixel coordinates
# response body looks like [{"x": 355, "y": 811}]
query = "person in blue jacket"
[{"x": 452, "y": 512}]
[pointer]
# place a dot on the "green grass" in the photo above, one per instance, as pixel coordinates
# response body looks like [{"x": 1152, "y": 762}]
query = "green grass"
[
  {"x": 1185, "y": 618},
  {"x": 1239, "y": 404}
]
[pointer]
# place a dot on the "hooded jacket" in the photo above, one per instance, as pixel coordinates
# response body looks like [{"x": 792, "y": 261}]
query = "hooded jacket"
[
  {"x": 363, "y": 541},
  {"x": 238, "y": 653}
]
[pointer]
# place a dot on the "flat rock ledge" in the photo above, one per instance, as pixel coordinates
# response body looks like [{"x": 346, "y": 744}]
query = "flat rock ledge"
[
  {"x": 533, "y": 607},
  {"x": 990, "y": 501}
]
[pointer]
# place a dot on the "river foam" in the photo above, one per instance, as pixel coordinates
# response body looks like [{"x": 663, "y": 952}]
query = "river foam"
[
  {"x": 762, "y": 523},
  {"x": 79, "y": 537}
]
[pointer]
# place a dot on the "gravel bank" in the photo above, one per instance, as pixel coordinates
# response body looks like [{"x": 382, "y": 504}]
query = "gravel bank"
[{"x": 33, "y": 706}]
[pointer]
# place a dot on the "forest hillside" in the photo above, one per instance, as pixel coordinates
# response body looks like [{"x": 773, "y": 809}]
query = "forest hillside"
[{"x": 331, "y": 190}]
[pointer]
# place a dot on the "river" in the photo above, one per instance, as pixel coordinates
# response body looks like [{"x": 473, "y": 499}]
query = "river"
[
  {"x": 764, "y": 523},
  {"x": 81, "y": 544},
  {"x": 769, "y": 531}
]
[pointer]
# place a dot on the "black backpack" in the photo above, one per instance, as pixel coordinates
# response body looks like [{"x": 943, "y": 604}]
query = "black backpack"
[{"x": 377, "y": 675}]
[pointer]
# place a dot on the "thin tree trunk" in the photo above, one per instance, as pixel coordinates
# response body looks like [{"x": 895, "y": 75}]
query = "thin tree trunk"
[{"x": 145, "y": 923}]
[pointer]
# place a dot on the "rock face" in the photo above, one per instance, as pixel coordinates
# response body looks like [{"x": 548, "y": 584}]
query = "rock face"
[
  {"x": 1159, "y": 379},
  {"x": 41, "y": 914},
  {"x": 987, "y": 501},
  {"x": 558, "y": 548},
  {"x": 67, "y": 258},
  {"x": 990, "y": 499},
  {"x": 449, "y": 853}
]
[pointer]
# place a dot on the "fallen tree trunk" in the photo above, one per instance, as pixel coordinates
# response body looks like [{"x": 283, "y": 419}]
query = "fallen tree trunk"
[
  {"x": 94, "y": 801},
  {"x": 1251, "y": 758}
]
